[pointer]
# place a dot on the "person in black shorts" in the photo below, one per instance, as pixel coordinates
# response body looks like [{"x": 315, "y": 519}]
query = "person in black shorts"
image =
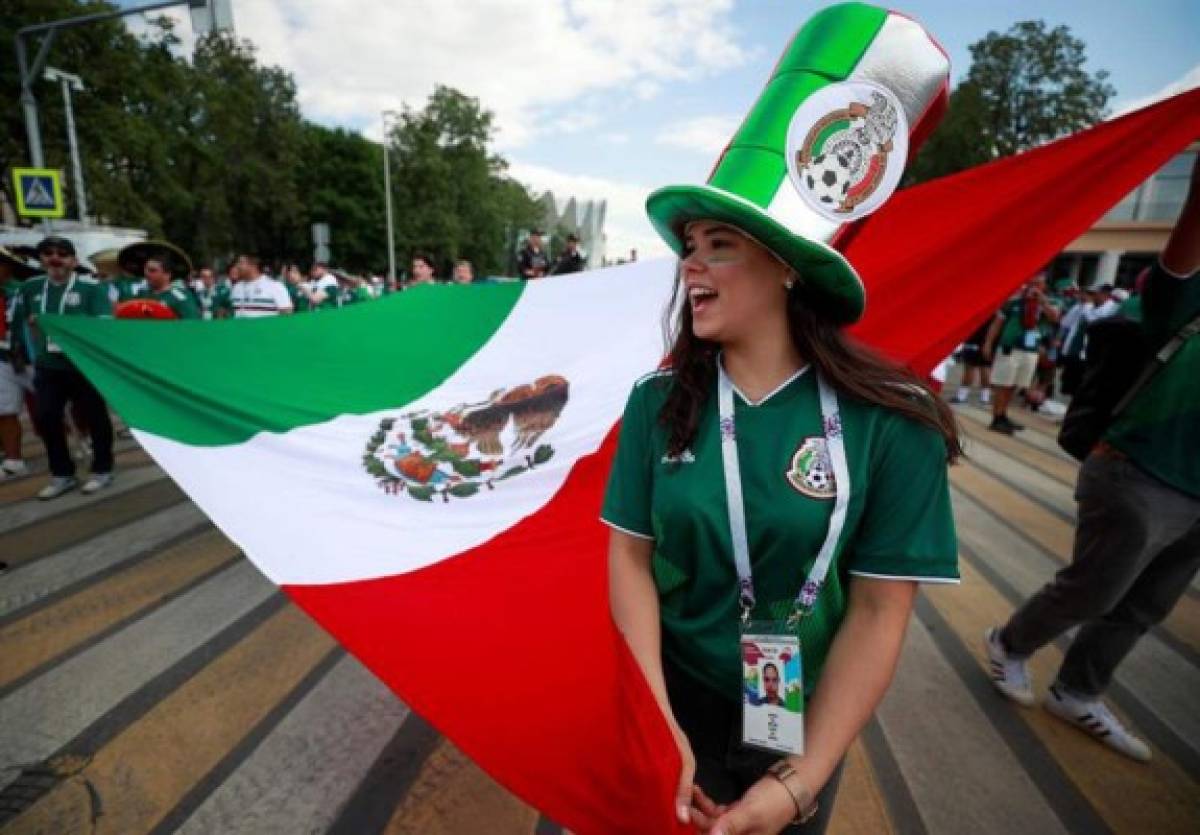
[{"x": 975, "y": 368}]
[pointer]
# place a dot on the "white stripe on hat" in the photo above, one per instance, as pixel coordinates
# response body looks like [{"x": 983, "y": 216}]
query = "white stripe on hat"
[{"x": 904, "y": 59}]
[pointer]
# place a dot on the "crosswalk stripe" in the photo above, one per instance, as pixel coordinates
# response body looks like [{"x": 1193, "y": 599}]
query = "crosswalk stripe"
[
  {"x": 1129, "y": 796},
  {"x": 860, "y": 805},
  {"x": 172, "y": 747},
  {"x": 16, "y": 515},
  {"x": 453, "y": 795},
  {"x": 44, "y": 581},
  {"x": 36, "y": 721},
  {"x": 1055, "y": 466},
  {"x": 47, "y": 537},
  {"x": 1056, "y": 538},
  {"x": 928, "y": 717},
  {"x": 1155, "y": 673},
  {"x": 43, "y": 636},
  {"x": 328, "y": 741}
]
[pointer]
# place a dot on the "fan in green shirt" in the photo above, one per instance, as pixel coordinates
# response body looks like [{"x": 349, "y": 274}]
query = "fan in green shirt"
[
  {"x": 899, "y": 523},
  {"x": 79, "y": 295},
  {"x": 1160, "y": 429},
  {"x": 163, "y": 290}
]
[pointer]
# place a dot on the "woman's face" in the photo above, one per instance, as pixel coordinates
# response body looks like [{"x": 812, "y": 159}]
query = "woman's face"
[{"x": 732, "y": 283}]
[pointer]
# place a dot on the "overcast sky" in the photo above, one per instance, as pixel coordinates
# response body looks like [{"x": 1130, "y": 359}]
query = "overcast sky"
[{"x": 611, "y": 98}]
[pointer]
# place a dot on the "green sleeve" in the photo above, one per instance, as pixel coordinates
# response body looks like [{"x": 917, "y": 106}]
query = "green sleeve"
[
  {"x": 630, "y": 482},
  {"x": 99, "y": 304},
  {"x": 907, "y": 529},
  {"x": 184, "y": 306}
]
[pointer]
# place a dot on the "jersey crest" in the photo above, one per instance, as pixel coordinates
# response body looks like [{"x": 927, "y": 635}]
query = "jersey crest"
[
  {"x": 457, "y": 452},
  {"x": 811, "y": 470}
]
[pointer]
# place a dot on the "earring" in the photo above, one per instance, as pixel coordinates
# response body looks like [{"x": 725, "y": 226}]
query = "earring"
[{"x": 790, "y": 283}]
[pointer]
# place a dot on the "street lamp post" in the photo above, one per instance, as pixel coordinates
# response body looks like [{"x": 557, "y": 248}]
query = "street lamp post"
[
  {"x": 214, "y": 14},
  {"x": 387, "y": 201},
  {"x": 72, "y": 82}
]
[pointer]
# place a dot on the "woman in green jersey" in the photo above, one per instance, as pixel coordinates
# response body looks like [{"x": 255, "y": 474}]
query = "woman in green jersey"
[{"x": 776, "y": 484}]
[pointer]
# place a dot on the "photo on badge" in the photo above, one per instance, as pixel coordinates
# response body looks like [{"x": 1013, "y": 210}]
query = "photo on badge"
[{"x": 772, "y": 693}]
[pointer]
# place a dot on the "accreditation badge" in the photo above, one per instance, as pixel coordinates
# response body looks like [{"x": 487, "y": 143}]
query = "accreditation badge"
[
  {"x": 772, "y": 688},
  {"x": 1031, "y": 339}
]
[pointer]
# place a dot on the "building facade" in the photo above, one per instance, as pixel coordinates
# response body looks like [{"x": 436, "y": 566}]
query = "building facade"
[{"x": 1133, "y": 232}]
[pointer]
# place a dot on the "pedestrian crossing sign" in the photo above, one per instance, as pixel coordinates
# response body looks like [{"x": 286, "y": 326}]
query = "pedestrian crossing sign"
[{"x": 38, "y": 192}]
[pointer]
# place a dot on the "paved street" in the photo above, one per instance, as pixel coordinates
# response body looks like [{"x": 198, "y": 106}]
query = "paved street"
[{"x": 152, "y": 681}]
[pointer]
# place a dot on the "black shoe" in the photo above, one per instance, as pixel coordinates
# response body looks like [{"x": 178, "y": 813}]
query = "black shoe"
[
  {"x": 1001, "y": 425},
  {"x": 1012, "y": 424}
]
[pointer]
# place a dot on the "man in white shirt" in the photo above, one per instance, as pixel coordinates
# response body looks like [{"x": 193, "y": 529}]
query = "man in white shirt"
[
  {"x": 323, "y": 286},
  {"x": 255, "y": 295}
]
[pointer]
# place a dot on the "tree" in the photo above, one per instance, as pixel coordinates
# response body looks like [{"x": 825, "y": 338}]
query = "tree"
[
  {"x": 1025, "y": 87},
  {"x": 341, "y": 183},
  {"x": 452, "y": 196}
]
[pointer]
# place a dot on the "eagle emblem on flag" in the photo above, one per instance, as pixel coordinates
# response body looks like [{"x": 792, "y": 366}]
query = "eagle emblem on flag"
[{"x": 470, "y": 447}]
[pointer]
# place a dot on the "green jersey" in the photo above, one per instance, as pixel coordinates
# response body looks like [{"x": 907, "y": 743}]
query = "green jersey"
[
  {"x": 1014, "y": 334},
  {"x": 1160, "y": 429},
  {"x": 126, "y": 287},
  {"x": 299, "y": 299},
  {"x": 179, "y": 300},
  {"x": 899, "y": 523},
  {"x": 39, "y": 296},
  {"x": 358, "y": 294}
]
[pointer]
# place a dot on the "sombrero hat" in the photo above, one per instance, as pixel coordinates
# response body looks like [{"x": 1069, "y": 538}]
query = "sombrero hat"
[
  {"x": 106, "y": 261},
  {"x": 132, "y": 258},
  {"x": 858, "y": 88},
  {"x": 21, "y": 268}
]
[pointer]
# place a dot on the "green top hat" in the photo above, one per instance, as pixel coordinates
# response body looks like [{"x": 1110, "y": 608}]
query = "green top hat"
[{"x": 855, "y": 92}]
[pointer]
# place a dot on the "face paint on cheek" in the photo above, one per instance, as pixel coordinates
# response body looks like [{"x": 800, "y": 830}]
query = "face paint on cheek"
[{"x": 722, "y": 259}]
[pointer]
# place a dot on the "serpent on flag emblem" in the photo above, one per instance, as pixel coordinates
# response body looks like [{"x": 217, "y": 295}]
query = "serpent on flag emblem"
[{"x": 847, "y": 145}]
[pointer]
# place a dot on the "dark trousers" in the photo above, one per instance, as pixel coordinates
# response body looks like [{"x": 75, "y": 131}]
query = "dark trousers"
[
  {"x": 1137, "y": 548},
  {"x": 54, "y": 389},
  {"x": 724, "y": 769}
]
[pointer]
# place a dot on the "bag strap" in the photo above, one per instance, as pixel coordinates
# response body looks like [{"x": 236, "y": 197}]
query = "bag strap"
[{"x": 1157, "y": 362}]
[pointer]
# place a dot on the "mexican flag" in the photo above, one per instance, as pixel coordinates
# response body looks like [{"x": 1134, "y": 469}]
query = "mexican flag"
[{"x": 423, "y": 474}]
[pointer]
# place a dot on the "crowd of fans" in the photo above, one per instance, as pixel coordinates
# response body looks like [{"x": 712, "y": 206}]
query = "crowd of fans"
[
  {"x": 1036, "y": 345},
  {"x": 154, "y": 279}
]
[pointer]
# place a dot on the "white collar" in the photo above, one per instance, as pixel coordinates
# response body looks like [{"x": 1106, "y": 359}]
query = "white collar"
[{"x": 762, "y": 400}]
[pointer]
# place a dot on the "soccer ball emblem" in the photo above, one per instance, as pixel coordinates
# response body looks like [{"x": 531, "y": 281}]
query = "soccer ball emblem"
[
  {"x": 811, "y": 470},
  {"x": 828, "y": 178}
]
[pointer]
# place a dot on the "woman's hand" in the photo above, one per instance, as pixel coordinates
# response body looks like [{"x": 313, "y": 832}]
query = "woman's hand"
[
  {"x": 687, "y": 775},
  {"x": 765, "y": 809}
]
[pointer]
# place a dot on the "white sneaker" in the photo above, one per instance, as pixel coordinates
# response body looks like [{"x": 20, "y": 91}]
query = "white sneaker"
[
  {"x": 961, "y": 396},
  {"x": 1094, "y": 717},
  {"x": 13, "y": 467},
  {"x": 97, "y": 482},
  {"x": 985, "y": 397},
  {"x": 1010, "y": 675},
  {"x": 58, "y": 485}
]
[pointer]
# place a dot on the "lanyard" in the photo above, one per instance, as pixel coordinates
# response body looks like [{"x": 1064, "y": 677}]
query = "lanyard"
[
  {"x": 62, "y": 300},
  {"x": 836, "y": 447}
]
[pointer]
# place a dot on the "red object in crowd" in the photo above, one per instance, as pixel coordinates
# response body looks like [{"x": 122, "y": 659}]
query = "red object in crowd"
[{"x": 144, "y": 309}]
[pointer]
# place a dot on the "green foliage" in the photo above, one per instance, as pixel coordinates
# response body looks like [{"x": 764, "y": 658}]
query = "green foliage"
[
  {"x": 1025, "y": 87},
  {"x": 210, "y": 151},
  {"x": 452, "y": 196}
]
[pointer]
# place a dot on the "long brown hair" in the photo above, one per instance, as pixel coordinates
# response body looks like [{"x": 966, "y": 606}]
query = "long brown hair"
[{"x": 852, "y": 368}]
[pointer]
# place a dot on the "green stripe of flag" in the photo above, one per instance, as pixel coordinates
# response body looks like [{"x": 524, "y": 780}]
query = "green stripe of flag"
[
  {"x": 222, "y": 382},
  {"x": 826, "y": 50}
]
